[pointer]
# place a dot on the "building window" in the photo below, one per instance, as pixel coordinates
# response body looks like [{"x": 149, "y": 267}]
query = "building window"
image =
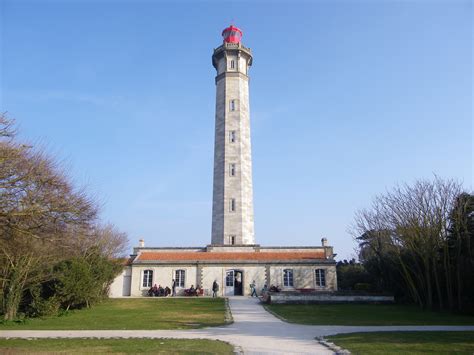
[
  {"x": 232, "y": 239},
  {"x": 288, "y": 278},
  {"x": 232, "y": 136},
  {"x": 232, "y": 105},
  {"x": 147, "y": 278},
  {"x": 232, "y": 205},
  {"x": 232, "y": 169},
  {"x": 179, "y": 276},
  {"x": 232, "y": 64},
  {"x": 320, "y": 277}
]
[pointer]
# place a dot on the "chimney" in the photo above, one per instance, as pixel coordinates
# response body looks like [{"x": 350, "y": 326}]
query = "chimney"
[
  {"x": 141, "y": 243},
  {"x": 324, "y": 242}
]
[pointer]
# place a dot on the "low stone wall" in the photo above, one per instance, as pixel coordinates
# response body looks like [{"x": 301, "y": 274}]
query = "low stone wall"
[{"x": 324, "y": 297}]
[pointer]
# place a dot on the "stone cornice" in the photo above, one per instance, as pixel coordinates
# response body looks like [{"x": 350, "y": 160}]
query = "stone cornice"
[{"x": 231, "y": 74}]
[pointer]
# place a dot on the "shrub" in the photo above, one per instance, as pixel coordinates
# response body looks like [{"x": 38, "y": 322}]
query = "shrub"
[
  {"x": 41, "y": 306},
  {"x": 362, "y": 287}
]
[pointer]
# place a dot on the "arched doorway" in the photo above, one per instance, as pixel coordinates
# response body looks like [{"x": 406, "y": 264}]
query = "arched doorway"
[{"x": 234, "y": 283}]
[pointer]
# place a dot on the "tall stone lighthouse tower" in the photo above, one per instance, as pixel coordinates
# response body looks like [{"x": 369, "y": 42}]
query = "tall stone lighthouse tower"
[{"x": 232, "y": 207}]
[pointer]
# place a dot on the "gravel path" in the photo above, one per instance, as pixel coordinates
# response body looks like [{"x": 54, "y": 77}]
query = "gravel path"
[{"x": 254, "y": 331}]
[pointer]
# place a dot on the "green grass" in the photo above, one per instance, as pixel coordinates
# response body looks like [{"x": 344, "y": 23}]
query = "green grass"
[
  {"x": 135, "y": 313},
  {"x": 123, "y": 346},
  {"x": 406, "y": 342},
  {"x": 365, "y": 314}
]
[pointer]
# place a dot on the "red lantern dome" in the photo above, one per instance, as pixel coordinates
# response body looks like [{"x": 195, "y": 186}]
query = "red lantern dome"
[{"x": 232, "y": 34}]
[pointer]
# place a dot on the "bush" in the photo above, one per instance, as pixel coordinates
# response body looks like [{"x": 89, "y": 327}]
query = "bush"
[
  {"x": 362, "y": 286},
  {"x": 40, "y": 306},
  {"x": 351, "y": 273},
  {"x": 84, "y": 281}
]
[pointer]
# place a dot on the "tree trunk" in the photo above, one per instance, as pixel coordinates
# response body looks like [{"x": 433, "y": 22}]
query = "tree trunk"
[
  {"x": 15, "y": 287},
  {"x": 410, "y": 283},
  {"x": 438, "y": 287},
  {"x": 429, "y": 288},
  {"x": 448, "y": 274}
]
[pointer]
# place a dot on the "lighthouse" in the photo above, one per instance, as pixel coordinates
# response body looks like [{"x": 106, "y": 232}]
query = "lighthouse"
[
  {"x": 232, "y": 206},
  {"x": 233, "y": 259}
]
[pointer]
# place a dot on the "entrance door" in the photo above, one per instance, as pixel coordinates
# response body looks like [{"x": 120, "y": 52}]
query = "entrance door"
[
  {"x": 234, "y": 283},
  {"x": 229, "y": 283},
  {"x": 126, "y": 287},
  {"x": 238, "y": 283}
]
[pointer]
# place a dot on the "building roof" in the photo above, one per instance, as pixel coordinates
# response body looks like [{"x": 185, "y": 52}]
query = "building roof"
[{"x": 229, "y": 256}]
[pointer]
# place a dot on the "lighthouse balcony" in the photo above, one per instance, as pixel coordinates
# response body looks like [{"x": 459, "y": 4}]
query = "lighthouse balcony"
[{"x": 226, "y": 45}]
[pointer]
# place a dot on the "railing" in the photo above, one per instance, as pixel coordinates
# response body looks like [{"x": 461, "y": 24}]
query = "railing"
[{"x": 232, "y": 46}]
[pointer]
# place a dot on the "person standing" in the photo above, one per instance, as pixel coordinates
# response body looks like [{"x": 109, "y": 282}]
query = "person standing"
[
  {"x": 173, "y": 288},
  {"x": 215, "y": 288},
  {"x": 253, "y": 290}
]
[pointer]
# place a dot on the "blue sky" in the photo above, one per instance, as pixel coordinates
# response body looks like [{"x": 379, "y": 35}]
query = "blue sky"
[{"x": 348, "y": 98}]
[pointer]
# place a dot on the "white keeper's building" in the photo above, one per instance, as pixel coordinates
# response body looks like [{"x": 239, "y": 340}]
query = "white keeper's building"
[{"x": 233, "y": 258}]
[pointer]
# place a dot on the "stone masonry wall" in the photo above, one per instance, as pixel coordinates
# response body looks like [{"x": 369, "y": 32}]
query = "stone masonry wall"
[
  {"x": 204, "y": 275},
  {"x": 232, "y": 86}
]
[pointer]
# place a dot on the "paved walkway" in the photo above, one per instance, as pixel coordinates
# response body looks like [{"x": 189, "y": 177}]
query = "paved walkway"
[{"x": 254, "y": 331}]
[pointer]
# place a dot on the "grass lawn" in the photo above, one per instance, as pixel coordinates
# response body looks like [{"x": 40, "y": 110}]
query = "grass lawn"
[
  {"x": 124, "y": 346},
  {"x": 365, "y": 314},
  {"x": 406, "y": 342},
  {"x": 135, "y": 313}
]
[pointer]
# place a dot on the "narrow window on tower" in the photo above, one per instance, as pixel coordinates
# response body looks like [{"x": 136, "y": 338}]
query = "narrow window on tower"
[
  {"x": 232, "y": 169},
  {"x": 232, "y": 136},
  {"x": 232, "y": 205},
  {"x": 232, "y": 105},
  {"x": 232, "y": 239},
  {"x": 232, "y": 64}
]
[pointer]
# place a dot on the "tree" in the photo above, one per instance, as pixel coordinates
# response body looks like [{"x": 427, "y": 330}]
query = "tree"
[
  {"x": 351, "y": 274},
  {"x": 379, "y": 257},
  {"x": 38, "y": 206},
  {"x": 43, "y": 220},
  {"x": 408, "y": 227},
  {"x": 458, "y": 254},
  {"x": 84, "y": 281}
]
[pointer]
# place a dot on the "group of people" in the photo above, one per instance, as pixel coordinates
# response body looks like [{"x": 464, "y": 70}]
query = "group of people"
[
  {"x": 159, "y": 291},
  {"x": 274, "y": 288},
  {"x": 198, "y": 290},
  {"x": 193, "y": 291},
  {"x": 265, "y": 289}
]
